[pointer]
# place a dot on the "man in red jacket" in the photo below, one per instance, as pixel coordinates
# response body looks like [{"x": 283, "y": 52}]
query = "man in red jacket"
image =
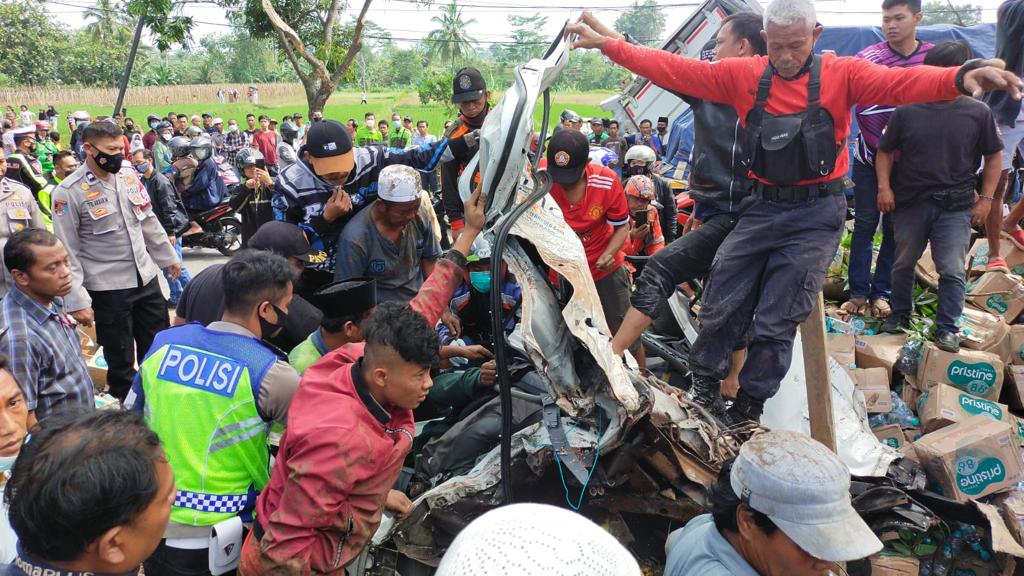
[
  {"x": 351, "y": 427},
  {"x": 795, "y": 107}
]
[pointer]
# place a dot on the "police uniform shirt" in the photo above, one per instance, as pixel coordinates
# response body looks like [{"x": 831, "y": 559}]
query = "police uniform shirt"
[
  {"x": 18, "y": 210},
  {"x": 110, "y": 232}
]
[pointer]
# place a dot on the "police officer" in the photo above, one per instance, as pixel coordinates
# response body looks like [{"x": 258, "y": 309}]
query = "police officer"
[
  {"x": 117, "y": 247},
  {"x": 18, "y": 211},
  {"x": 23, "y": 166},
  {"x": 234, "y": 385},
  {"x": 768, "y": 272},
  {"x": 469, "y": 92}
]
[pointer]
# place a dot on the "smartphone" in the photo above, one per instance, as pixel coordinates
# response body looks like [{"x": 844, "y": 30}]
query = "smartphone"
[
  {"x": 261, "y": 164},
  {"x": 640, "y": 218}
]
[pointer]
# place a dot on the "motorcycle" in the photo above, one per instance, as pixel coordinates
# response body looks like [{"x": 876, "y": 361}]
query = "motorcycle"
[{"x": 221, "y": 230}]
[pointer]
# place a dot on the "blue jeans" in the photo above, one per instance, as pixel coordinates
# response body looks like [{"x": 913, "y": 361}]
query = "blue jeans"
[
  {"x": 865, "y": 204},
  {"x": 178, "y": 286},
  {"x": 950, "y": 235}
]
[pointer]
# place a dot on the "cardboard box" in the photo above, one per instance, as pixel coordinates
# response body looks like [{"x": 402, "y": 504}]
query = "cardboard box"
[
  {"x": 841, "y": 347},
  {"x": 984, "y": 331},
  {"x": 972, "y": 458},
  {"x": 874, "y": 384},
  {"x": 1011, "y": 508},
  {"x": 1017, "y": 344},
  {"x": 880, "y": 351},
  {"x": 894, "y": 566},
  {"x": 911, "y": 435},
  {"x": 999, "y": 293},
  {"x": 978, "y": 256},
  {"x": 975, "y": 372},
  {"x": 944, "y": 405},
  {"x": 1013, "y": 387},
  {"x": 891, "y": 435}
]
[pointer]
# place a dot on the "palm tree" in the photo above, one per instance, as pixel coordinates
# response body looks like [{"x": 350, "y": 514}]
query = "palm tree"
[
  {"x": 450, "y": 42},
  {"x": 109, "y": 21}
]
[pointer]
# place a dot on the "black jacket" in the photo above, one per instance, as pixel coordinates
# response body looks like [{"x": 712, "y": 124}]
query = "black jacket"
[
  {"x": 718, "y": 165},
  {"x": 166, "y": 204}
]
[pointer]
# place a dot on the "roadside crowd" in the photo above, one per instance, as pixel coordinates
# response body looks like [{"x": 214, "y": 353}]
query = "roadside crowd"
[{"x": 267, "y": 430}]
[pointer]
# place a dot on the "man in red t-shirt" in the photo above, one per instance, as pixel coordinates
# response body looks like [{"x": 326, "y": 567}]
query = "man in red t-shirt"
[
  {"x": 795, "y": 107},
  {"x": 594, "y": 206},
  {"x": 265, "y": 140}
]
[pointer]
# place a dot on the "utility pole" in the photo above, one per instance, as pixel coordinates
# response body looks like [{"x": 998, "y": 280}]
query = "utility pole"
[{"x": 128, "y": 66}]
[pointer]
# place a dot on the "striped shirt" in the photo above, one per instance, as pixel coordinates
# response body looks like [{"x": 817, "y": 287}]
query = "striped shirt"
[
  {"x": 45, "y": 354},
  {"x": 872, "y": 119}
]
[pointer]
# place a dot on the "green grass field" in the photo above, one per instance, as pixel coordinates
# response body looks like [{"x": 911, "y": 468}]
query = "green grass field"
[{"x": 345, "y": 105}]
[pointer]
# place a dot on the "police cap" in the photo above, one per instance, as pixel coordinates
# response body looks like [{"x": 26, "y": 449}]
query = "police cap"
[{"x": 468, "y": 85}]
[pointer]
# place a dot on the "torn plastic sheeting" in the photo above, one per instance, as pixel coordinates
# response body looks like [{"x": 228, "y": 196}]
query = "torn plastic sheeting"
[
  {"x": 560, "y": 248},
  {"x": 858, "y": 447}
]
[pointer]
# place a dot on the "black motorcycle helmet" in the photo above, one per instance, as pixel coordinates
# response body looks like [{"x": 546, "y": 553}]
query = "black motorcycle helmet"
[
  {"x": 247, "y": 157},
  {"x": 180, "y": 147}
]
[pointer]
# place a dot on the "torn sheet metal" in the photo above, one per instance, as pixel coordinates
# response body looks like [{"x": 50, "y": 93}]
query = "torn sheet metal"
[
  {"x": 544, "y": 227},
  {"x": 858, "y": 447}
]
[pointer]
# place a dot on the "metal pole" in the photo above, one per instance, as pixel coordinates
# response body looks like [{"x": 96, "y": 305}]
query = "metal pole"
[{"x": 128, "y": 66}]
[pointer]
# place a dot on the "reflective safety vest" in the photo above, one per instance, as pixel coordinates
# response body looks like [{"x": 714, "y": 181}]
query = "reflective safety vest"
[{"x": 200, "y": 389}]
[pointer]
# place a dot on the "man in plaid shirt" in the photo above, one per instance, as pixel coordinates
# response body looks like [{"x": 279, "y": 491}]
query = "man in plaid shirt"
[
  {"x": 234, "y": 140},
  {"x": 37, "y": 335}
]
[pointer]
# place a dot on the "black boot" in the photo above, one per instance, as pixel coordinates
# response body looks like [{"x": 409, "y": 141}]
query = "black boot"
[
  {"x": 707, "y": 392},
  {"x": 744, "y": 410}
]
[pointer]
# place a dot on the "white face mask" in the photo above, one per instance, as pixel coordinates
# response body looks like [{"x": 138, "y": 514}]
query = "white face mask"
[
  {"x": 165, "y": 136},
  {"x": 370, "y": 123},
  {"x": 232, "y": 128}
]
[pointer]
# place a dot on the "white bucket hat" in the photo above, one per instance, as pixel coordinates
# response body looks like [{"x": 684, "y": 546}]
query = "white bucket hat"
[
  {"x": 805, "y": 490},
  {"x": 531, "y": 539},
  {"x": 399, "y": 183}
]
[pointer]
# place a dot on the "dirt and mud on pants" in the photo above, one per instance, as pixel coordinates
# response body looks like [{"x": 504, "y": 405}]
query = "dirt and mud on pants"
[{"x": 763, "y": 284}]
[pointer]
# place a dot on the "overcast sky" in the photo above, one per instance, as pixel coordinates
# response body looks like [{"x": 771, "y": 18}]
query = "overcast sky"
[{"x": 406, "y": 19}]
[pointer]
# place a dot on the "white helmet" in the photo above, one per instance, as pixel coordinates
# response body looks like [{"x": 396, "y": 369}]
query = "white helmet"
[
  {"x": 535, "y": 539},
  {"x": 641, "y": 152}
]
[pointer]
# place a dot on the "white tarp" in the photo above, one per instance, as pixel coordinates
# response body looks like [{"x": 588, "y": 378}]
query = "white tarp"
[{"x": 858, "y": 447}]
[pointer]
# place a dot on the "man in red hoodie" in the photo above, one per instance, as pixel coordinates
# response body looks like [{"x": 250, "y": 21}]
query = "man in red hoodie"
[
  {"x": 795, "y": 107},
  {"x": 352, "y": 427}
]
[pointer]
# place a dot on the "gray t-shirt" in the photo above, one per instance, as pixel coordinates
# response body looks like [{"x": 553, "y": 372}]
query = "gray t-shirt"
[
  {"x": 700, "y": 549},
  {"x": 363, "y": 251}
]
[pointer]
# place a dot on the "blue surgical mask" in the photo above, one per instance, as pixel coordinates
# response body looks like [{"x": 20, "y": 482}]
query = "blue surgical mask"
[
  {"x": 142, "y": 168},
  {"x": 153, "y": 125},
  {"x": 397, "y": 124},
  {"x": 7, "y": 462},
  {"x": 481, "y": 281}
]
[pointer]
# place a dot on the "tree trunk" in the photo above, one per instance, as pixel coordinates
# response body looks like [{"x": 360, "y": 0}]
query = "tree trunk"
[{"x": 317, "y": 94}]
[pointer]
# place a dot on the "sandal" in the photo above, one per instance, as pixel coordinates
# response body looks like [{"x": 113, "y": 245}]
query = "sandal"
[
  {"x": 856, "y": 306},
  {"x": 1015, "y": 236},
  {"x": 997, "y": 265},
  {"x": 880, "y": 308}
]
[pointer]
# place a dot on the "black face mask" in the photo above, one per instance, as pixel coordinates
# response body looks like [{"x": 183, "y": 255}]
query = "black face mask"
[
  {"x": 637, "y": 170},
  {"x": 270, "y": 329},
  {"x": 109, "y": 163}
]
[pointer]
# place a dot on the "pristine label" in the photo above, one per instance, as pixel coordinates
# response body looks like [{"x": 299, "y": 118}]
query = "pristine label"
[
  {"x": 973, "y": 476},
  {"x": 200, "y": 370},
  {"x": 973, "y": 405},
  {"x": 976, "y": 379}
]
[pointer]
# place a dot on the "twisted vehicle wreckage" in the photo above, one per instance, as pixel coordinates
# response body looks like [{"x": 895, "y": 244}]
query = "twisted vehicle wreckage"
[{"x": 639, "y": 454}]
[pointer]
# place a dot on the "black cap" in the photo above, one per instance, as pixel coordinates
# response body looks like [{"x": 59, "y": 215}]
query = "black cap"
[
  {"x": 606, "y": 122},
  {"x": 663, "y": 119},
  {"x": 567, "y": 155},
  {"x": 346, "y": 297},
  {"x": 207, "y": 115},
  {"x": 468, "y": 84},
  {"x": 330, "y": 145},
  {"x": 284, "y": 239}
]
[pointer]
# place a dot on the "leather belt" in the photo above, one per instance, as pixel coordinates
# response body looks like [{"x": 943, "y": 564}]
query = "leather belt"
[{"x": 800, "y": 192}]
